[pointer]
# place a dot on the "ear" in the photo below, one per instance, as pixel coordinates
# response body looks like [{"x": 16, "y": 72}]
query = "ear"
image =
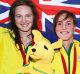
[
  {"x": 57, "y": 44},
  {"x": 38, "y": 37}
]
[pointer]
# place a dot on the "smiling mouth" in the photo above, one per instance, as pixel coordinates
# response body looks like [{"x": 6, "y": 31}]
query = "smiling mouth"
[
  {"x": 23, "y": 25},
  {"x": 64, "y": 33}
]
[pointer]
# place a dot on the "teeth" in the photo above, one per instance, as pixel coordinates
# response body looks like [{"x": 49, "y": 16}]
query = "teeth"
[
  {"x": 64, "y": 32},
  {"x": 23, "y": 25}
]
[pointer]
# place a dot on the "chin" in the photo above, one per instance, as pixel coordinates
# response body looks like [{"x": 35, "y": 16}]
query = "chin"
[
  {"x": 24, "y": 30},
  {"x": 65, "y": 39}
]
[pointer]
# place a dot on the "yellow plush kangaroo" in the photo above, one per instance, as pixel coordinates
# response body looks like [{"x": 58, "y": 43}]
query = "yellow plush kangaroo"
[{"x": 41, "y": 54}]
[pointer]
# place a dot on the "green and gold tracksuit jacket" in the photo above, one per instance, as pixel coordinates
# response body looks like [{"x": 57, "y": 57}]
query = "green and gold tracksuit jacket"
[
  {"x": 67, "y": 62},
  {"x": 10, "y": 55}
]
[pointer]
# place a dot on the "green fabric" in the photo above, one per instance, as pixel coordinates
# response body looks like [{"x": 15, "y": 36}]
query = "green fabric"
[
  {"x": 26, "y": 49},
  {"x": 69, "y": 51},
  {"x": 57, "y": 62}
]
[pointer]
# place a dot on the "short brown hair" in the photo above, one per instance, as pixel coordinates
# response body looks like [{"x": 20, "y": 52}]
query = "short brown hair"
[{"x": 68, "y": 14}]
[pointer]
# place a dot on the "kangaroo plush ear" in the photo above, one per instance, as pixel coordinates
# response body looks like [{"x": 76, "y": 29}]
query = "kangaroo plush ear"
[
  {"x": 38, "y": 37},
  {"x": 57, "y": 44}
]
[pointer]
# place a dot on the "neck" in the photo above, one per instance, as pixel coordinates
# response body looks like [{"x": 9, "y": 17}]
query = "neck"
[
  {"x": 26, "y": 37},
  {"x": 24, "y": 33},
  {"x": 67, "y": 43}
]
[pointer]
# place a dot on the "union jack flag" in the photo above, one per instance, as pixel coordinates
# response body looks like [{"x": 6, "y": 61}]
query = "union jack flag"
[
  {"x": 47, "y": 10},
  {"x": 4, "y": 12}
]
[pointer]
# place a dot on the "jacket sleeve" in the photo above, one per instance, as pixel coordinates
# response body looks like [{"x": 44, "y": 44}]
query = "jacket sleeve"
[{"x": 2, "y": 39}]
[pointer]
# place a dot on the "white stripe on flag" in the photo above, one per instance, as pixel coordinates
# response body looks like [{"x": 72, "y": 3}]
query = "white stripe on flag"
[
  {"x": 4, "y": 15},
  {"x": 58, "y": 3},
  {"x": 5, "y": 4}
]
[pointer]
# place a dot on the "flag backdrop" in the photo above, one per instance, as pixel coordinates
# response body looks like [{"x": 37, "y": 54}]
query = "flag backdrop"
[{"x": 47, "y": 10}]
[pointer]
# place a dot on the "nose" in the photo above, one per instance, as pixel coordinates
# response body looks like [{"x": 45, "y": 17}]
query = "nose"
[
  {"x": 23, "y": 19},
  {"x": 64, "y": 26},
  {"x": 33, "y": 50}
]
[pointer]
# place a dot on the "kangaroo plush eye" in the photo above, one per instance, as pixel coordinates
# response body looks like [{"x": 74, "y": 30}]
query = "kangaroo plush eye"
[{"x": 45, "y": 47}]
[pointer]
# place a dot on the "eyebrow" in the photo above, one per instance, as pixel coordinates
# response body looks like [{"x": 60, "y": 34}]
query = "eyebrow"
[
  {"x": 69, "y": 21},
  {"x": 64, "y": 19},
  {"x": 59, "y": 21}
]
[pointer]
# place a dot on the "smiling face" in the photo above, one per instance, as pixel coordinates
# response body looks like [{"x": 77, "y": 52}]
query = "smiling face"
[
  {"x": 23, "y": 18},
  {"x": 65, "y": 27}
]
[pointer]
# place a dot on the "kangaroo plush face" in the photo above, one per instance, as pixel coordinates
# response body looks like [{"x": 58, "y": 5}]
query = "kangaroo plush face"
[
  {"x": 41, "y": 54},
  {"x": 42, "y": 50}
]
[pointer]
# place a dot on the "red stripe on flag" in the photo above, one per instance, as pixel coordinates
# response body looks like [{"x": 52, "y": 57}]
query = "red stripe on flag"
[
  {"x": 50, "y": 9},
  {"x": 40, "y": 24},
  {"x": 8, "y": 1},
  {"x": 53, "y": 9},
  {"x": 4, "y": 20},
  {"x": 77, "y": 30}
]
